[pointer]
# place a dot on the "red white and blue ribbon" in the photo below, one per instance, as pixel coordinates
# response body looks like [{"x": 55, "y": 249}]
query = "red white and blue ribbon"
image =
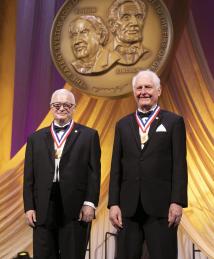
[
  {"x": 144, "y": 126},
  {"x": 59, "y": 141}
]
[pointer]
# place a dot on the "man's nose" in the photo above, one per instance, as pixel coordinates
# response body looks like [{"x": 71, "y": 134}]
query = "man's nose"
[
  {"x": 133, "y": 20},
  {"x": 61, "y": 108},
  {"x": 143, "y": 90},
  {"x": 78, "y": 38}
]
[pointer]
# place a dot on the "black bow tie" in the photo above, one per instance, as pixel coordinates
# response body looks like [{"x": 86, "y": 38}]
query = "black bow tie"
[
  {"x": 143, "y": 115},
  {"x": 58, "y": 129}
]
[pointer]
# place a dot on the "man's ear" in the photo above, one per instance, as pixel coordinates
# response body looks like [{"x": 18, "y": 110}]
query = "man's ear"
[
  {"x": 103, "y": 38},
  {"x": 159, "y": 91},
  {"x": 112, "y": 25}
]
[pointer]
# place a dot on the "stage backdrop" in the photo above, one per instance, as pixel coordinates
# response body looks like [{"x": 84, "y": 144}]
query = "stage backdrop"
[{"x": 28, "y": 77}]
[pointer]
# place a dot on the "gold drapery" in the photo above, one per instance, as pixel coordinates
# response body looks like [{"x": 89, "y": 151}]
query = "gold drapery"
[{"x": 187, "y": 91}]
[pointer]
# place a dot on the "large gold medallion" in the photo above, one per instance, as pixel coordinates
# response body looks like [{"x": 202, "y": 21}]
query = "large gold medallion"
[{"x": 97, "y": 46}]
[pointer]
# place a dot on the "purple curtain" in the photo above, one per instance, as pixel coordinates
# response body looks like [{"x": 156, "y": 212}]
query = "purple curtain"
[
  {"x": 203, "y": 17},
  {"x": 35, "y": 75}
]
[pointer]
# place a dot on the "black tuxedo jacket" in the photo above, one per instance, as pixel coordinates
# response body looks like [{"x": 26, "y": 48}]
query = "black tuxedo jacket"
[
  {"x": 156, "y": 174},
  {"x": 79, "y": 171}
]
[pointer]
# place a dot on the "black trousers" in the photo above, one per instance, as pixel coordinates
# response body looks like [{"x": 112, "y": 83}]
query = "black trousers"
[
  {"x": 60, "y": 238},
  {"x": 160, "y": 239}
]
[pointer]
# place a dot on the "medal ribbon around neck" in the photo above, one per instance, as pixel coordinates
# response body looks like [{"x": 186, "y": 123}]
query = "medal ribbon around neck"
[
  {"x": 145, "y": 126},
  {"x": 60, "y": 141}
]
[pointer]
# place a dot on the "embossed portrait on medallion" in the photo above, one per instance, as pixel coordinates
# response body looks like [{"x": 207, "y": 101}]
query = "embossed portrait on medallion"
[
  {"x": 97, "y": 46},
  {"x": 89, "y": 37},
  {"x": 126, "y": 20}
]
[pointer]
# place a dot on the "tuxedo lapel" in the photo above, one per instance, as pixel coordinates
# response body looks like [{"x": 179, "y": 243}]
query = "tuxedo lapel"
[
  {"x": 71, "y": 139},
  {"x": 135, "y": 130},
  {"x": 50, "y": 144}
]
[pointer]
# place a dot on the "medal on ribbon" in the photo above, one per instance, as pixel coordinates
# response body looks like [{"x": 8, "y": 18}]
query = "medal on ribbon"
[
  {"x": 59, "y": 141},
  {"x": 144, "y": 127}
]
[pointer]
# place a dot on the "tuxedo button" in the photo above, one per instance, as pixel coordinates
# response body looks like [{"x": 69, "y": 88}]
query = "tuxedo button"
[{"x": 137, "y": 178}]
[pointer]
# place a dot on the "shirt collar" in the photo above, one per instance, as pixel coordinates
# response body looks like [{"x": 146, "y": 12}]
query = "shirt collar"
[
  {"x": 57, "y": 124},
  {"x": 152, "y": 109}
]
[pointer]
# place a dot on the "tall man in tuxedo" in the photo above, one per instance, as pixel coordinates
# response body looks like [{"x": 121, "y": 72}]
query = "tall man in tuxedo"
[
  {"x": 61, "y": 183},
  {"x": 148, "y": 180}
]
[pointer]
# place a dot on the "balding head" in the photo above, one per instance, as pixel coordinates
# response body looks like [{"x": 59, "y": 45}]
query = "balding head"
[{"x": 62, "y": 92}]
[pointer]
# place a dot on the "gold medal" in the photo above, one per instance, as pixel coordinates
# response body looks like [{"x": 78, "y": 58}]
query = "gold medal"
[
  {"x": 58, "y": 153},
  {"x": 144, "y": 137}
]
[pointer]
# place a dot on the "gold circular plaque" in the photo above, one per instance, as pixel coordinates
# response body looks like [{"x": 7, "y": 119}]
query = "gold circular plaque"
[{"x": 98, "y": 46}]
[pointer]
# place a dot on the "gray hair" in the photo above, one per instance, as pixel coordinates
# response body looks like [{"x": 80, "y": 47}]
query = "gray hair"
[
  {"x": 148, "y": 73},
  {"x": 97, "y": 24},
  {"x": 113, "y": 10},
  {"x": 63, "y": 92}
]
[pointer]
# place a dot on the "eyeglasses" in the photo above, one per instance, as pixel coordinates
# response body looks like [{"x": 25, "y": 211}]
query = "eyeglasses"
[{"x": 66, "y": 106}]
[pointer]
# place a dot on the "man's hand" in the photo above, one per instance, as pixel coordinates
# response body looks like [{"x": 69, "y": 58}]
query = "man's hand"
[
  {"x": 115, "y": 216},
  {"x": 87, "y": 213},
  {"x": 31, "y": 217},
  {"x": 175, "y": 214}
]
